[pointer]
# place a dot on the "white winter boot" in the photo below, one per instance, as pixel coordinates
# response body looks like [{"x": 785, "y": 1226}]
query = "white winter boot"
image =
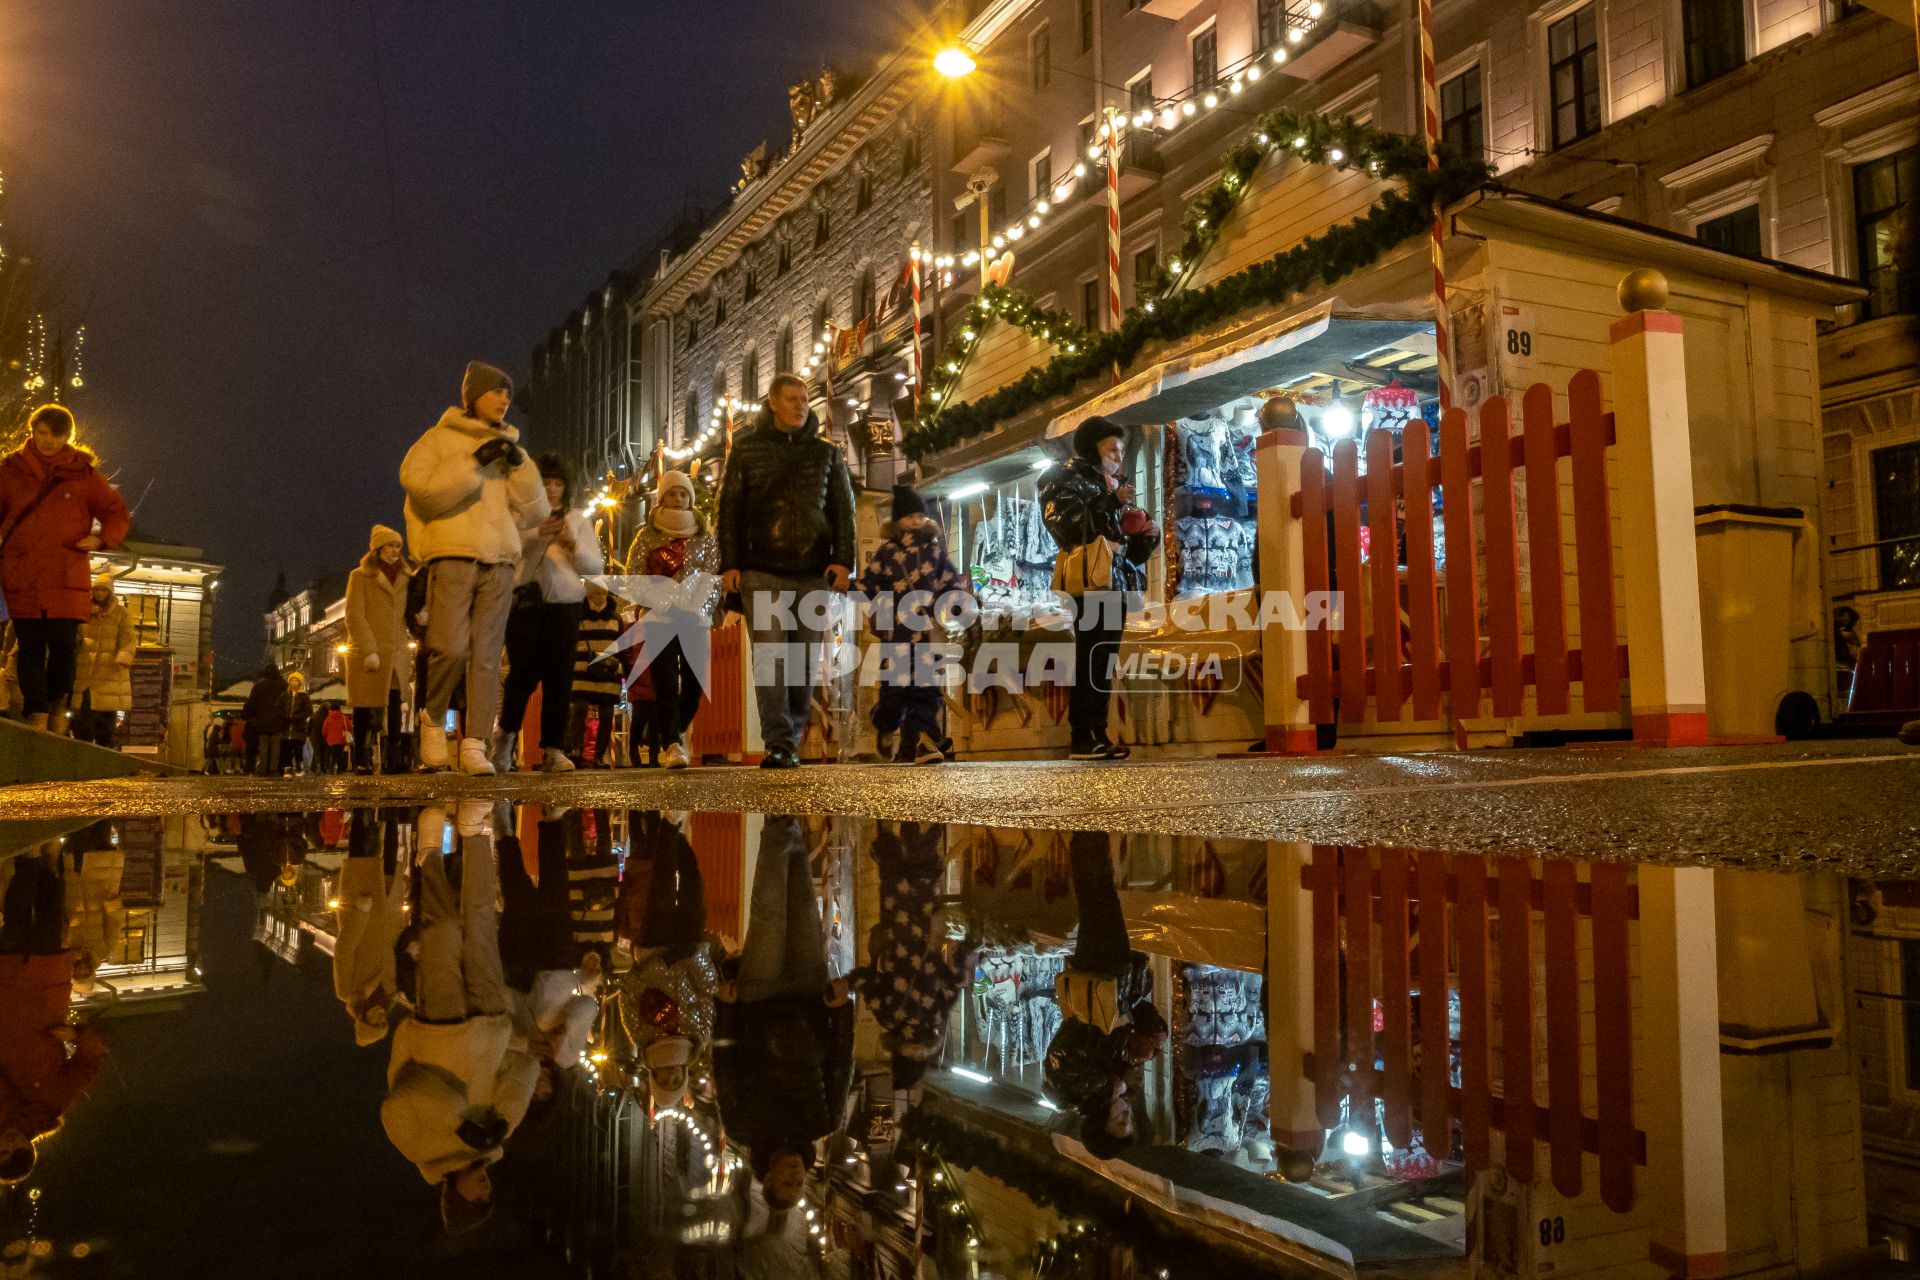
[
  {"x": 433, "y": 743},
  {"x": 473, "y": 758}
]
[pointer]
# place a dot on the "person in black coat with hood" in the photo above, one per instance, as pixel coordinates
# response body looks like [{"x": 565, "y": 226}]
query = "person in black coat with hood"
[
  {"x": 785, "y": 526},
  {"x": 1109, "y": 1028},
  {"x": 1084, "y": 502},
  {"x": 266, "y": 715}
]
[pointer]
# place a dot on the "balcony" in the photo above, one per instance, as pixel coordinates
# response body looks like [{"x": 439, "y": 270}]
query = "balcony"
[
  {"x": 1141, "y": 164},
  {"x": 988, "y": 151},
  {"x": 1171, "y": 9}
]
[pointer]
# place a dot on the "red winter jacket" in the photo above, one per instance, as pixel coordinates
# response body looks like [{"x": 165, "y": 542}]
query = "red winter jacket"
[
  {"x": 43, "y": 574},
  {"x": 38, "y": 1082}
]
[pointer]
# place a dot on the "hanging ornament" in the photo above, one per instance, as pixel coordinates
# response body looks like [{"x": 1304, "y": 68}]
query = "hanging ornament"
[{"x": 1392, "y": 407}]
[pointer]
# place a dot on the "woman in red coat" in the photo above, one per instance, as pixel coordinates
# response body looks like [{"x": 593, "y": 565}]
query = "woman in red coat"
[
  {"x": 51, "y": 495},
  {"x": 39, "y": 1077}
]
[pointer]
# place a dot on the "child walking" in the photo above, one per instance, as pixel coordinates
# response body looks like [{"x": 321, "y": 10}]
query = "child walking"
[{"x": 912, "y": 560}]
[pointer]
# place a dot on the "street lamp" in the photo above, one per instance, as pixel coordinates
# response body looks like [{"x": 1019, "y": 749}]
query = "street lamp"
[{"x": 954, "y": 62}]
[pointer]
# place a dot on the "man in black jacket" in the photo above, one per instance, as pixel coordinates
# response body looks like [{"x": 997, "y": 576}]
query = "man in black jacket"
[
  {"x": 1083, "y": 502},
  {"x": 786, "y": 533}
]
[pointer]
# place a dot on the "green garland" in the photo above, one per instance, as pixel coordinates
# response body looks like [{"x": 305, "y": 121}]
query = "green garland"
[
  {"x": 1171, "y": 312},
  {"x": 1107, "y": 1212}
]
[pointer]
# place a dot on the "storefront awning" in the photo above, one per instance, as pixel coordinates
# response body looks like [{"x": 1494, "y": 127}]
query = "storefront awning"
[{"x": 1273, "y": 354}]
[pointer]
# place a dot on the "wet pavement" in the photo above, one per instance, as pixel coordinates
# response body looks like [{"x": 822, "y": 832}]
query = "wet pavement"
[
  {"x": 1238, "y": 1079},
  {"x": 1843, "y": 804}
]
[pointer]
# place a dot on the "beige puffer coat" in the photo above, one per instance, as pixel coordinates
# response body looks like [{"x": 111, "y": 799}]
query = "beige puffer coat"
[{"x": 103, "y": 669}]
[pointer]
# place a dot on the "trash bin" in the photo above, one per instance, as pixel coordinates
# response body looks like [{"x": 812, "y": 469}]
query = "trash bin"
[{"x": 1747, "y": 613}]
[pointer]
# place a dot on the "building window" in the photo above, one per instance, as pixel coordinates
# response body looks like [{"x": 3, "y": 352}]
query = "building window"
[
  {"x": 1462, "y": 120},
  {"x": 822, "y": 227},
  {"x": 751, "y": 289},
  {"x": 1883, "y": 227},
  {"x": 1736, "y": 232},
  {"x": 863, "y": 297},
  {"x": 1040, "y": 175},
  {"x": 1140, "y": 148},
  {"x": 783, "y": 351},
  {"x": 750, "y": 375},
  {"x": 693, "y": 325},
  {"x": 1896, "y": 514},
  {"x": 783, "y": 257},
  {"x": 719, "y": 309},
  {"x": 966, "y": 229},
  {"x": 1086, "y": 26},
  {"x": 997, "y": 204},
  {"x": 1715, "y": 34},
  {"x": 863, "y": 193},
  {"x": 1146, "y": 263},
  {"x": 819, "y": 323},
  {"x": 909, "y": 150},
  {"x": 1090, "y": 303},
  {"x": 1573, "y": 75},
  {"x": 1270, "y": 24},
  {"x": 693, "y": 416},
  {"x": 1205, "y": 46},
  {"x": 1040, "y": 57}
]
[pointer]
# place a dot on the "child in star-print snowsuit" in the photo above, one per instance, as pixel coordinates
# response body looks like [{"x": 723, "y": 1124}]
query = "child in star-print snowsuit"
[
  {"x": 912, "y": 976},
  {"x": 912, "y": 559}
]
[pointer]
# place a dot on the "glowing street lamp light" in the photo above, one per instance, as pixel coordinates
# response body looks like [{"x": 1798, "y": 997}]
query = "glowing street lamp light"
[{"x": 954, "y": 62}]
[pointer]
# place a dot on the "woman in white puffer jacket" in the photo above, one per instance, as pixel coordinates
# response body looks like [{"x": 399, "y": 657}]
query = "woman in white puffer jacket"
[{"x": 556, "y": 558}]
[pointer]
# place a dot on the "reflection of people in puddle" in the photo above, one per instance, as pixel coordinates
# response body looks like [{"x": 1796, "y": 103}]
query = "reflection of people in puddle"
[
  {"x": 459, "y": 1080},
  {"x": 372, "y": 893},
  {"x": 1109, "y": 1028},
  {"x": 45, "y": 1063},
  {"x": 553, "y": 981},
  {"x": 783, "y": 1049},
  {"x": 667, "y": 997},
  {"x": 913, "y": 976}
]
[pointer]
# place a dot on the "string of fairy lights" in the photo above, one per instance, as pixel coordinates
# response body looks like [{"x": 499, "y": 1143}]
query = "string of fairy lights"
[{"x": 1163, "y": 117}]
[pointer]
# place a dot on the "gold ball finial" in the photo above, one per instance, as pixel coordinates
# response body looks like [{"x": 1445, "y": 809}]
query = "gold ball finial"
[{"x": 1643, "y": 289}]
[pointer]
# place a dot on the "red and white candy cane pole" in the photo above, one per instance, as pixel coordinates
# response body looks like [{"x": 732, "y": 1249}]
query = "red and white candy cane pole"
[
  {"x": 1430, "y": 111},
  {"x": 1113, "y": 220},
  {"x": 915, "y": 268}
]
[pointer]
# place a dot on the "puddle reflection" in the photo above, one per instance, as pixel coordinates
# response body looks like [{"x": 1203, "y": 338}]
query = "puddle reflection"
[{"x": 615, "y": 1043}]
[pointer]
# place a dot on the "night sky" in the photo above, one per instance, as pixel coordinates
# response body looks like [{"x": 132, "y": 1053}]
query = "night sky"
[{"x": 271, "y": 322}]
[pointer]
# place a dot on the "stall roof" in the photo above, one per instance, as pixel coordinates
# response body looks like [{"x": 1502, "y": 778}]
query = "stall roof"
[
  {"x": 1571, "y": 227},
  {"x": 1284, "y": 351}
]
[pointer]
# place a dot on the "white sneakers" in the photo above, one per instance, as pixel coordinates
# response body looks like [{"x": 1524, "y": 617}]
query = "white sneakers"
[
  {"x": 473, "y": 758},
  {"x": 433, "y": 743},
  {"x": 674, "y": 757},
  {"x": 555, "y": 762}
]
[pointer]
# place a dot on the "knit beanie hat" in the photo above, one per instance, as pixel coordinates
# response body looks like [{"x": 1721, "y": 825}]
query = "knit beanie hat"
[
  {"x": 479, "y": 379},
  {"x": 1088, "y": 435},
  {"x": 906, "y": 502},
  {"x": 670, "y": 480},
  {"x": 103, "y": 580},
  {"x": 383, "y": 536}
]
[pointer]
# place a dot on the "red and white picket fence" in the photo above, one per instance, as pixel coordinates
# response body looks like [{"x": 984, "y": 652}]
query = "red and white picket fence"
[
  {"x": 1439, "y": 664},
  {"x": 1397, "y": 929}
]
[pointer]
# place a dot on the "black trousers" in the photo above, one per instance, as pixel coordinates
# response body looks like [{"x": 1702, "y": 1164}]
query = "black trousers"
[
  {"x": 1101, "y": 617},
  {"x": 540, "y": 642},
  {"x": 35, "y": 908},
  {"x": 97, "y": 727},
  {"x": 366, "y": 729},
  {"x": 48, "y": 648},
  {"x": 1101, "y": 946},
  {"x": 676, "y": 694}
]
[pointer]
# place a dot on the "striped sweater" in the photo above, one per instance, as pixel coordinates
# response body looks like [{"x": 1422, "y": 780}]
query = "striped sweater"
[{"x": 595, "y": 679}]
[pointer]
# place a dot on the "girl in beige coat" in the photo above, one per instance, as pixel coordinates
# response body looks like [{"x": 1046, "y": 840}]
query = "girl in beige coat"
[
  {"x": 103, "y": 671},
  {"x": 379, "y": 662}
]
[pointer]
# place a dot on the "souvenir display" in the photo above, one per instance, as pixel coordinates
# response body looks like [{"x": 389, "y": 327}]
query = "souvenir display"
[
  {"x": 1013, "y": 1007},
  {"x": 1223, "y": 1087},
  {"x": 1213, "y": 498},
  {"x": 1009, "y": 554}
]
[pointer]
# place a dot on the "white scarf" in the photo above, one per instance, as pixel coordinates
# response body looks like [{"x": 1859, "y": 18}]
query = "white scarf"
[{"x": 676, "y": 522}]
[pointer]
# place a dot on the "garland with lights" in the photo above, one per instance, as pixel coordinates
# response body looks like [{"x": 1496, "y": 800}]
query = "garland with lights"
[
  {"x": 1174, "y": 312},
  {"x": 1096, "y": 1214}
]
